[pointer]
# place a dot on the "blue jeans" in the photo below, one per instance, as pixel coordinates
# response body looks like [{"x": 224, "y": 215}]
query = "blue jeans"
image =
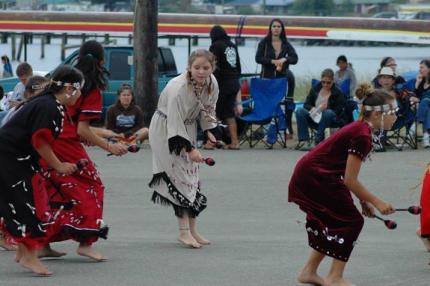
[
  {"x": 304, "y": 122},
  {"x": 2, "y": 115},
  {"x": 423, "y": 113}
]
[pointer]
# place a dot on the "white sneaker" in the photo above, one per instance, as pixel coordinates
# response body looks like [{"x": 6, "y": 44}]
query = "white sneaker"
[{"x": 426, "y": 141}]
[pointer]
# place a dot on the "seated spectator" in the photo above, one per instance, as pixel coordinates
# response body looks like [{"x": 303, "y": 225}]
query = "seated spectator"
[
  {"x": 391, "y": 63},
  {"x": 387, "y": 81},
  {"x": 23, "y": 71},
  {"x": 34, "y": 86},
  {"x": 1, "y": 93},
  {"x": 422, "y": 91},
  {"x": 345, "y": 72},
  {"x": 323, "y": 108},
  {"x": 7, "y": 67},
  {"x": 125, "y": 117}
]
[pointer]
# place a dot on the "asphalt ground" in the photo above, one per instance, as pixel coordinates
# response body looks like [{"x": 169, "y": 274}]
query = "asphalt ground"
[{"x": 258, "y": 238}]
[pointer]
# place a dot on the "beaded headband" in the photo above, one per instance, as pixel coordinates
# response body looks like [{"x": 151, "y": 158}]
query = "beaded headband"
[{"x": 76, "y": 85}]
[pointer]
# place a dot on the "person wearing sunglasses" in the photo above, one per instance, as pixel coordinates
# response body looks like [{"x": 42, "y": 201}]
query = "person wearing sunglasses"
[{"x": 323, "y": 108}]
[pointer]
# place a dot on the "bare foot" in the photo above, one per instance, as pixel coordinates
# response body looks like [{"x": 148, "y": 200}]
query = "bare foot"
[
  {"x": 87, "y": 251},
  {"x": 47, "y": 251},
  {"x": 233, "y": 146},
  {"x": 200, "y": 239},
  {"x": 337, "y": 282},
  {"x": 30, "y": 261},
  {"x": 188, "y": 240},
  {"x": 310, "y": 278},
  {"x": 425, "y": 240},
  {"x": 6, "y": 246}
]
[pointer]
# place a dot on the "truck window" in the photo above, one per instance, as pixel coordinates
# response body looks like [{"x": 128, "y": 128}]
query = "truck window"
[
  {"x": 118, "y": 66},
  {"x": 169, "y": 61}
]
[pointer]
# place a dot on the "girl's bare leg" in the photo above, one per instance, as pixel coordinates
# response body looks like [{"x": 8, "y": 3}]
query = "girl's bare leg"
[
  {"x": 85, "y": 249},
  {"x": 309, "y": 273},
  {"x": 30, "y": 261},
  {"x": 193, "y": 229},
  {"x": 232, "y": 128},
  {"x": 335, "y": 276},
  {"x": 185, "y": 236}
]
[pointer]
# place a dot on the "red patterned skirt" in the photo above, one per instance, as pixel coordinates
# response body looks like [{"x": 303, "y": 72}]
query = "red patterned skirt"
[{"x": 78, "y": 197}]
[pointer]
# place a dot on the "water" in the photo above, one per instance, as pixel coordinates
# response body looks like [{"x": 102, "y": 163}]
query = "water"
[{"x": 312, "y": 59}]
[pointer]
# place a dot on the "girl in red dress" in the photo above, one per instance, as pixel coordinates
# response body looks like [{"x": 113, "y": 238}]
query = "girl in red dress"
[
  {"x": 80, "y": 196},
  {"x": 26, "y": 137},
  {"x": 322, "y": 183}
]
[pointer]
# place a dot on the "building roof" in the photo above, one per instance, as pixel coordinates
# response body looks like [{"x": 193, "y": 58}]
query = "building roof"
[
  {"x": 366, "y": 2},
  {"x": 260, "y": 2}
]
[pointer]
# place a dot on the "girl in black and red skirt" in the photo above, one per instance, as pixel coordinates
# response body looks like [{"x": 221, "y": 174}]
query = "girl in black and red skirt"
[
  {"x": 26, "y": 137},
  {"x": 80, "y": 196},
  {"x": 322, "y": 183}
]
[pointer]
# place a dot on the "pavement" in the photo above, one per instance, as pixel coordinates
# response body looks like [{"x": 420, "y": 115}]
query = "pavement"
[{"x": 258, "y": 238}]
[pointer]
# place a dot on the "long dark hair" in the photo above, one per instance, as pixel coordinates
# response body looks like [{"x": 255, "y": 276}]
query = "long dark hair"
[
  {"x": 5, "y": 59},
  {"x": 282, "y": 36},
  {"x": 426, "y": 62},
  {"x": 218, "y": 33},
  {"x": 91, "y": 57}
]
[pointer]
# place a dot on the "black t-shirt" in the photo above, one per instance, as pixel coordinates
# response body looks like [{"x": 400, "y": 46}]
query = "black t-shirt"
[
  {"x": 39, "y": 119},
  {"x": 227, "y": 60}
]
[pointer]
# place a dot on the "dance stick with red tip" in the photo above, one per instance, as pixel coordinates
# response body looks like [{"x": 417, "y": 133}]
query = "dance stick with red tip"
[
  {"x": 415, "y": 210},
  {"x": 209, "y": 161},
  {"x": 82, "y": 163},
  {"x": 390, "y": 224},
  {"x": 131, "y": 149}
]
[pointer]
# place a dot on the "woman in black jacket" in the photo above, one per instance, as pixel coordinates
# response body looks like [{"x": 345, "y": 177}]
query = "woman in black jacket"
[
  {"x": 227, "y": 73},
  {"x": 276, "y": 54},
  {"x": 324, "y": 107}
]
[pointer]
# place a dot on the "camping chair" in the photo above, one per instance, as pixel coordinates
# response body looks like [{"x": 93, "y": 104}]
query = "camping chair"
[{"x": 265, "y": 98}]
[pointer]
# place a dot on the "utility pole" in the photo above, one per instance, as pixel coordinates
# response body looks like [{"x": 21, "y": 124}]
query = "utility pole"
[{"x": 145, "y": 56}]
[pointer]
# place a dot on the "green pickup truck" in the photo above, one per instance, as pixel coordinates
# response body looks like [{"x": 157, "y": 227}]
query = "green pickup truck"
[{"x": 119, "y": 63}]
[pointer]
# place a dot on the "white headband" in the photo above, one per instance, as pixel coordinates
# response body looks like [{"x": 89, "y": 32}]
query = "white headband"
[{"x": 76, "y": 85}]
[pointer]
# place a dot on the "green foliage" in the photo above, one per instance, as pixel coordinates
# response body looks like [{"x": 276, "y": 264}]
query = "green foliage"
[
  {"x": 245, "y": 10},
  {"x": 313, "y": 7}
]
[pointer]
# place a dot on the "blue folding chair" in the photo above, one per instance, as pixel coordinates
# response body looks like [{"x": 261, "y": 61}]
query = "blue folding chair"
[{"x": 266, "y": 97}]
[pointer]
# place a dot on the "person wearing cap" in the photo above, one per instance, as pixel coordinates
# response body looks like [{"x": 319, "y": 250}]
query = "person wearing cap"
[
  {"x": 386, "y": 80},
  {"x": 391, "y": 63}
]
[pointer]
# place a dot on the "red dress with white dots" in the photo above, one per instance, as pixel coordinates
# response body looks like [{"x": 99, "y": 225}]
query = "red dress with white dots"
[{"x": 333, "y": 223}]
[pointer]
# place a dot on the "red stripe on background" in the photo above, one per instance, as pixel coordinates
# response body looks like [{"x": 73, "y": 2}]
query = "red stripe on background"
[
  {"x": 66, "y": 27},
  {"x": 162, "y": 29}
]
